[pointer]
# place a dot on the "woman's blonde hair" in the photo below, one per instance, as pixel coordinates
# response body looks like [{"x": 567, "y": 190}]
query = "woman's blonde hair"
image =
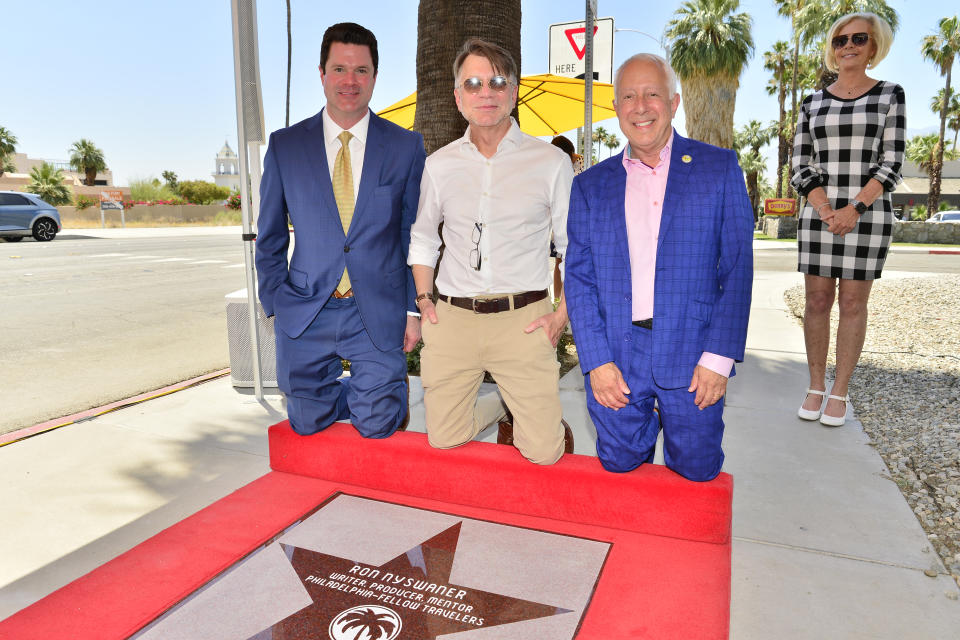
[{"x": 880, "y": 34}]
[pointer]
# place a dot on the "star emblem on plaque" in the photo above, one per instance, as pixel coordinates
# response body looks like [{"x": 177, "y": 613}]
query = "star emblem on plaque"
[{"x": 407, "y": 598}]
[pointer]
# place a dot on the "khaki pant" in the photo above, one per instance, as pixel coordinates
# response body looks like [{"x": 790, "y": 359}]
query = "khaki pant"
[{"x": 456, "y": 352}]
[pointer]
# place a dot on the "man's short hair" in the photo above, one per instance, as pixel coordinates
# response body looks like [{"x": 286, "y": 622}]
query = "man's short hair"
[
  {"x": 348, "y": 33},
  {"x": 500, "y": 59},
  {"x": 880, "y": 33},
  {"x": 648, "y": 57}
]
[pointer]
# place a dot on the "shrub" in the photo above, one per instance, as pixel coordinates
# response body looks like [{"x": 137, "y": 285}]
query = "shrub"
[
  {"x": 233, "y": 202},
  {"x": 201, "y": 192},
  {"x": 82, "y": 202},
  {"x": 919, "y": 212},
  {"x": 149, "y": 189}
]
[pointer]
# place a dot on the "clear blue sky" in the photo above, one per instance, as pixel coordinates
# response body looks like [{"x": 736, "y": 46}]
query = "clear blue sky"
[{"x": 152, "y": 83}]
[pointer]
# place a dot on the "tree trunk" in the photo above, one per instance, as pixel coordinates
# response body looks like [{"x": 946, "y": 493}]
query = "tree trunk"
[
  {"x": 753, "y": 192},
  {"x": 783, "y": 146},
  {"x": 708, "y": 103},
  {"x": 91, "y": 177},
  {"x": 442, "y": 28},
  {"x": 933, "y": 200},
  {"x": 793, "y": 91}
]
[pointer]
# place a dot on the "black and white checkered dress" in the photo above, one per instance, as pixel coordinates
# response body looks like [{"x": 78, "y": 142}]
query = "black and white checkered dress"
[{"x": 841, "y": 144}]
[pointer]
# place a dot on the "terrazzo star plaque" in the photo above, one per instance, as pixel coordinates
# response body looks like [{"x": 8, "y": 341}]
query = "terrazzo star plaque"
[{"x": 365, "y": 569}]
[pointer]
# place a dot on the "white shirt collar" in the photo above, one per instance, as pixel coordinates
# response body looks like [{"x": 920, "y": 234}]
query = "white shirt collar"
[{"x": 331, "y": 129}]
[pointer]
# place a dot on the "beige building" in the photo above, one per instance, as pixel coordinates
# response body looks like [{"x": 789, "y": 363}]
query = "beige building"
[
  {"x": 916, "y": 186},
  {"x": 19, "y": 179}
]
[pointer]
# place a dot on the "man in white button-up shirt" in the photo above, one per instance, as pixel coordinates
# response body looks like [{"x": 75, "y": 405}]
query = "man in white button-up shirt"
[{"x": 500, "y": 195}]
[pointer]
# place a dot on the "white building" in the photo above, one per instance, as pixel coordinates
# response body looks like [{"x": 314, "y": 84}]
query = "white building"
[{"x": 227, "y": 172}]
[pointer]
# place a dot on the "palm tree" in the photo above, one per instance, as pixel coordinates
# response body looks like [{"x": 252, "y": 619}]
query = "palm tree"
[
  {"x": 47, "y": 182},
  {"x": 612, "y": 143},
  {"x": 709, "y": 48},
  {"x": 442, "y": 28},
  {"x": 953, "y": 111},
  {"x": 924, "y": 151},
  {"x": 8, "y": 145},
  {"x": 776, "y": 61},
  {"x": 941, "y": 48},
  {"x": 747, "y": 143},
  {"x": 600, "y": 136},
  {"x": 86, "y": 158}
]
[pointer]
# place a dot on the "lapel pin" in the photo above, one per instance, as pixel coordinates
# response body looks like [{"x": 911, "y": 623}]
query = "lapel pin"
[{"x": 686, "y": 159}]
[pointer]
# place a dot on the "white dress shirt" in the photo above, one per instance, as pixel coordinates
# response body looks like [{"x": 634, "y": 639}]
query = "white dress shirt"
[
  {"x": 358, "y": 144},
  {"x": 519, "y": 196}
]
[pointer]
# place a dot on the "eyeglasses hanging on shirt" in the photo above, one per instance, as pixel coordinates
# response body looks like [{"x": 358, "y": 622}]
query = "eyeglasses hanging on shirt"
[{"x": 475, "y": 252}]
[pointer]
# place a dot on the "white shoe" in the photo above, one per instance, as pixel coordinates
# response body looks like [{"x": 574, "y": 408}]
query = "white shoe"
[
  {"x": 808, "y": 414},
  {"x": 836, "y": 421}
]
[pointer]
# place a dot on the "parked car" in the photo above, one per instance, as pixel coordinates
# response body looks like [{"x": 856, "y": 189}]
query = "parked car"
[
  {"x": 946, "y": 216},
  {"x": 24, "y": 214}
]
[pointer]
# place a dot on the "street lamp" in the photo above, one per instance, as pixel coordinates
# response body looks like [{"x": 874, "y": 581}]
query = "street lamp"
[{"x": 660, "y": 41}]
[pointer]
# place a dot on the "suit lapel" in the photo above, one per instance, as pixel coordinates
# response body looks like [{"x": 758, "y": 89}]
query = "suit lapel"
[
  {"x": 373, "y": 155},
  {"x": 615, "y": 187},
  {"x": 680, "y": 171},
  {"x": 316, "y": 155}
]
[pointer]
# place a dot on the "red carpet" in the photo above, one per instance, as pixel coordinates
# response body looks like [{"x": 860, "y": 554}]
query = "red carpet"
[{"x": 667, "y": 574}]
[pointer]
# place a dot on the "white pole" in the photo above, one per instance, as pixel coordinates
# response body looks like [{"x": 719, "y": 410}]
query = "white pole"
[{"x": 248, "y": 235}]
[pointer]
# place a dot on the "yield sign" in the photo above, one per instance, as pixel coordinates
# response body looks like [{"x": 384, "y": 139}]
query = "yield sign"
[{"x": 573, "y": 43}]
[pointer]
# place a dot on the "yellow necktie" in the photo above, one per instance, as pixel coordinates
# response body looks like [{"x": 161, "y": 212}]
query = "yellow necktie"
[{"x": 343, "y": 194}]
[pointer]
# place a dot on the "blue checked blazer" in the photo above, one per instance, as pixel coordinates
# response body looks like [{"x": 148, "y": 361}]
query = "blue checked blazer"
[{"x": 704, "y": 268}]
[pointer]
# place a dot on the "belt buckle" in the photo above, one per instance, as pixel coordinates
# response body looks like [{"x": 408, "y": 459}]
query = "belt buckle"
[{"x": 473, "y": 304}]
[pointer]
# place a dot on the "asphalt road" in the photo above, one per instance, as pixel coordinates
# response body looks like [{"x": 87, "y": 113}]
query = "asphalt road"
[{"x": 85, "y": 321}]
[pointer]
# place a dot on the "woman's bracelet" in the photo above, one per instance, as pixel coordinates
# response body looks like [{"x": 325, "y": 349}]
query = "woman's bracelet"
[{"x": 817, "y": 209}]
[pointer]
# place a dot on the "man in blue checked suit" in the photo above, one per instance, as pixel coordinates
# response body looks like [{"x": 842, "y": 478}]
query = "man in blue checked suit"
[
  {"x": 659, "y": 275},
  {"x": 349, "y": 183}
]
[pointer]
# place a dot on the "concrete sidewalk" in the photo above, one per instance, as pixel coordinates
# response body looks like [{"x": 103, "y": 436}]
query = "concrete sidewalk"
[{"x": 825, "y": 546}]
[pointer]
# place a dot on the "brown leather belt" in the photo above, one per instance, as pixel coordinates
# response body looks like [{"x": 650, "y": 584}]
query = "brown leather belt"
[
  {"x": 495, "y": 305},
  {"x": 346, "y": 294},
  {"x": 644, "y": 324}
]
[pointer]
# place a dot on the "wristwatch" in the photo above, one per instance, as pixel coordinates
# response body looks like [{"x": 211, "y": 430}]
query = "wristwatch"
[
  {"x": 428, "y": 296},
  {"x": 859, "y": 206}
]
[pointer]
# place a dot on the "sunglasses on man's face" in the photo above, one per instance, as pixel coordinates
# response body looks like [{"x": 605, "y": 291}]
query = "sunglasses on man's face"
[
  {"x": 858, "y": 39},
  {"x": 475, "y": 84}
]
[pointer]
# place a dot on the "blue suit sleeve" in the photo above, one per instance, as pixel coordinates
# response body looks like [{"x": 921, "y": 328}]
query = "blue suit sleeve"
[
  {"x": 273, "y": 236},
  {"x": 727, "y": 333},
  {"x": 580, "y": 286},
  {"x": 411, "y": 198}
]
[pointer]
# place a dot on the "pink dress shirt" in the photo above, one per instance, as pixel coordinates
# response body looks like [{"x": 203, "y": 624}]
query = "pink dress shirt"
[{"x": 643, "y": 201}]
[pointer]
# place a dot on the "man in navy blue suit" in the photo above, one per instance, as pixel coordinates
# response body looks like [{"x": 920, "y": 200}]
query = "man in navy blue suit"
[
  {"x": 658, "y": 282},
  {"x": 348, "y": 181}
]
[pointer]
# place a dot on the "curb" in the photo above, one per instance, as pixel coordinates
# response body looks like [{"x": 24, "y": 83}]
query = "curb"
[{"x": 56, "y": 423}]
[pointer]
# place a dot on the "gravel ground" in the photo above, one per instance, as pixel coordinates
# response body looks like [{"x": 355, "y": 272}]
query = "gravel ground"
[{"x": 906, "y": 393}]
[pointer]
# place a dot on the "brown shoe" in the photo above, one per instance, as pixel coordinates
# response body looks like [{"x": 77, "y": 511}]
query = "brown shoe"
[
  {"x": 567, "y": 437},
  {"x": 505, "y": 430},
  {"x": 505, "y": 433}
]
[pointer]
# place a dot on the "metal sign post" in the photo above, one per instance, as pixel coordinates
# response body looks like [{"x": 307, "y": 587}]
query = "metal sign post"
[
  {"x": 591, "y": 12},
  {"x": 112, "y": 199}
]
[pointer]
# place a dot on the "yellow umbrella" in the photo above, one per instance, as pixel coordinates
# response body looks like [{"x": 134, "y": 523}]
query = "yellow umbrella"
[{"x": 547, "y": 104}]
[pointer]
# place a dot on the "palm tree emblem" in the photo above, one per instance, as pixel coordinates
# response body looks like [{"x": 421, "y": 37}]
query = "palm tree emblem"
[{"x": 367, "y": 622}]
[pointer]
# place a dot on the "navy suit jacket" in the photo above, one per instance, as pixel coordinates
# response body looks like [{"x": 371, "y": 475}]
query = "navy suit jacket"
[
  {"x": 296, "y": 186},
  {"x": 704, "y": 267}
]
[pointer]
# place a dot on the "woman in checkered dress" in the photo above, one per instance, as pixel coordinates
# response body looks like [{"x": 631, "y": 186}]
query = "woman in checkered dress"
[{"x": 846, "y": 160}]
